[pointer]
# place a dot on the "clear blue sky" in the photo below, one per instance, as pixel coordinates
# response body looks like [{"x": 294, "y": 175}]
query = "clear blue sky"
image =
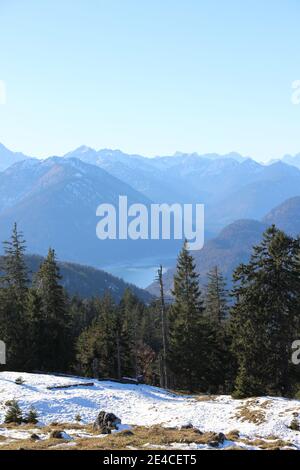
[{"x": 150, "y": 76}]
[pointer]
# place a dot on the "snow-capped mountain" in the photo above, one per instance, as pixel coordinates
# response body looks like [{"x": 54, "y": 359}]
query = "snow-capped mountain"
[
  {"x": 292, "y": 160},
  {"x": 8, "y": 158},
  {"x": 55, "y": 200}
]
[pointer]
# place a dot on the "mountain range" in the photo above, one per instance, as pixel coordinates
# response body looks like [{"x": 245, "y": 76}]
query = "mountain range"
[
  {"x": 234, "y": 243},
  {"x": 54, "y": 200}
]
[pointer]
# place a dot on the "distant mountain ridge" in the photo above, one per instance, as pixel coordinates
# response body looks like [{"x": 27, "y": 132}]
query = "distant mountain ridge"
[
  {"x": 8, "y": 158},
  {"x": 88, "y": 282},
  {"x": 234, "y": 243},
  {"x": 54, "y": 200}
]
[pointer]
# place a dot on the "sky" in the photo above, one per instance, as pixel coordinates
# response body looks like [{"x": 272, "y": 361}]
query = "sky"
[{"x": 150, "y": 77}]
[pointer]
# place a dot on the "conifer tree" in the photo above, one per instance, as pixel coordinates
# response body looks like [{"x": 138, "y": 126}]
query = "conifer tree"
[
  {"x": 216, "y": 305},
  {"x": 97, "y": 346},
  {"x": 163, "y": 310},
  {"x": 54, "y": 339},
  {"x": 14, "y": 413},
  {"x": 37, "y": 328},
  {"x": 216, "y": 310},
  {"x": 15, "y": 270},
  {"x": 13, "y": 326},
  {"x": 129, "y": 322},
  {"x": 31, "y": 417},
  {"x": 265, "y": 318},
  {"x": 187, "y": 342}
]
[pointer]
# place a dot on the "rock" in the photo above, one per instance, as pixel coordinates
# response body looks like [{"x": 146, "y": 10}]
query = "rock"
[
  {"x": 191, "y": 427},
  {"x": 35, "y": 437},
  {"x": 106, "y": 420},
  {"x": 217, "y": 439},
  {"x": 57, "y": 434},
  {"x": 105, "y": 430},
  {"x": 187, "y": 426}
]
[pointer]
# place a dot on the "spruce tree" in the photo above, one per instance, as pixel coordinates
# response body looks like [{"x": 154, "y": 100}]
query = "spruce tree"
[
  {"x": 265, "y": 318},
  {"x": 164, "y": 335},
  {"x": 31, "y": 417},
  {"x": 13, "y": 325},
  {"x": 97, "y": 351},
  {"x": 187, "y": 342},
  {"x": 54, "y": 322},
  {"x": 14, "y": 413},
  {"x": 129, "y": 324},
  {"x": 15, "y": 270},
  {"x": 216, "y": 305},
  {"x": 216, "y": 310},
  {"x": 37, "y": 328}
]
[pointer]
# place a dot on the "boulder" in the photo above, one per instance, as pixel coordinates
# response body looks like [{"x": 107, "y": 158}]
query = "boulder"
[
  {"x": 217, "y": 439},
  {"x": 106, "y": 422},
  {"x": 58, "y": 434}
]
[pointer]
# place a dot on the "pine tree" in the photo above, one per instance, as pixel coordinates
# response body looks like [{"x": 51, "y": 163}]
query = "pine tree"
[
  {"x": 15, "y": 270},
  {"x": 37, "y": 330},
  {"x": 31, "y": 417},
  {"x": 216, "y": 310},
  {"x": 54, "y": 322},
  {"x": 163, "y": 310},
  {"x": 129, "y": 323},
  {"x": 97, "y": 352},
  {"x": 14, "y": 413},
  {"x": 187, "y": 343},
  {"x": 216, "y": 305},
  {"x": 13, "y": 326},
  {"x": 265, "y": 318}
]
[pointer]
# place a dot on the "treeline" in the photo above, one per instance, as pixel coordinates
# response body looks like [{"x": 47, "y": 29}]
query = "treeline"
[{"x": 214, "y": 341}]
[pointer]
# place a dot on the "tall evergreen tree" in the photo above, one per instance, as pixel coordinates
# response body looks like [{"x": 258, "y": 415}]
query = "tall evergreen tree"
[
  {"x": 265, "y": 318},
  {"x": 216, "y": 305},
  {"x": 37, "y": 328},
  {"x": 13, "y": 325},
  {"x": 54, "y": 323},
  {"x": 216, "y": 310},
  {"x": 97, "y": 346},
  {"x": 187, "y": 340},
  {"x": 163, "y": 311},
  {"x": 15, "y": 270},
  {"x": 129, "y": 325}
]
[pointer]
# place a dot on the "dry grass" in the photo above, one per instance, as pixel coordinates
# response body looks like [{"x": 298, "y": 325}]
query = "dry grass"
[
  {"x": 267, "y": 444},
  {"x": 255, "y": 415},
  {"x": 154, "y": 437},
  {"x": 233, "y": 435},
  {"x": 205, "y": 397},
  {"x": 139, "y": 438}
]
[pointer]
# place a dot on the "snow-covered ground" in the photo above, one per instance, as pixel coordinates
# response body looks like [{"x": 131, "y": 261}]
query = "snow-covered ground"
[{"x": 145, "y": 405}]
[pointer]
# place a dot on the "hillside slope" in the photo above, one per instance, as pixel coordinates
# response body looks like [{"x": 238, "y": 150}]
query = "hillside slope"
[
  {"x": 87, "y": 282},
  {"x": 234, "y": 243},
  {"x": 144, "y": 405}
]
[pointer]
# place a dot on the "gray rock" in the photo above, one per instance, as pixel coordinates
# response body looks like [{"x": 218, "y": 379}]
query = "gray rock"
[
  {"x": 57, "y": 434},
  {"x": 106, "y": 421},
  {"x": 217, "y": 440}
]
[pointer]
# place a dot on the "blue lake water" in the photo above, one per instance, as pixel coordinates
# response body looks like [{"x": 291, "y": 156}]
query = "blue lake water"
[{"x": 142, "y": 275}]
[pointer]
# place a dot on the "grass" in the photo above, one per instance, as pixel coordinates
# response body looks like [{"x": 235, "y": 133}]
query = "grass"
[
  {"x": 267, "y": 444},
  {"x": 255, "y": 415},
  {"x": 140, "y": 437}
]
